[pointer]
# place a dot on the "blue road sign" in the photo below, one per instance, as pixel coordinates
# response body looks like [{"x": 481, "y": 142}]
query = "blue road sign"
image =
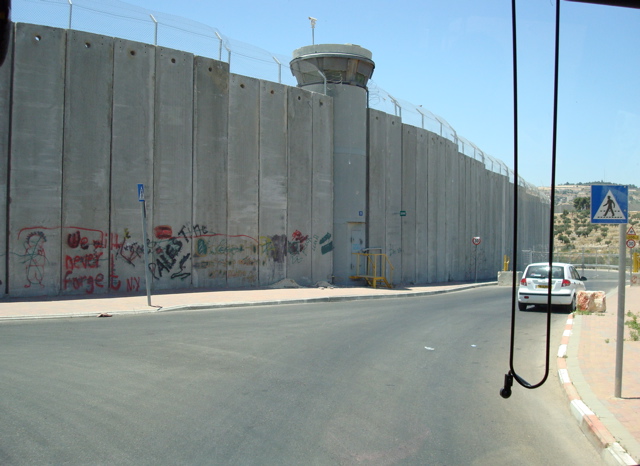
[
  {"x": 609, "y": 203},
  {"x": 141, "y": 192}
]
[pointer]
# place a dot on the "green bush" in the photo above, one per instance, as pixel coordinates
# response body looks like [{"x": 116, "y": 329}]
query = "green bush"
[
  {"x": 564, "y": 238},
  {"x": 634, "y": 325}
]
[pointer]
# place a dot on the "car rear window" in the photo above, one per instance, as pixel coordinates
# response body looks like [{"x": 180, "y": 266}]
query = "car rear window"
[{"x": 542, "y": 271}]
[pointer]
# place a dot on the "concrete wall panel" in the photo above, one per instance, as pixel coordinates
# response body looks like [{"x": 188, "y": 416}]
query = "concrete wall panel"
[
  {"x": 87, "y": 164},
  {"x": 409, "y": 148},
  {"x": 486, "y": 222},
  {"x": 273, "y": 183},
  {"x": 37, "y": 119},
  {"x": 433, "y": 211},
  {"x": 464, "y": 234},
  {"x": 322, "y": 189},
  {"x": 385, "y": 190},
  {"x": 210, "y": 150},
  {"x": 470, "y": 218},
  {"x": 488, "y": 199},
  {"x": 377, "y": 199},
  {"x": 300, "y": 241},
  {"x": 173, "y": 232},
  {"x": 493, "y": 262},
  {"x": 439, "y": 200},
  {"x": 131, "y": 161},
  {"x": 494, "y": 253},
  {"x": 393, "y": 195},
  {"x": 5, "y": 120},
  {"x": 422, "y": 207},
  {"x": 349, "y": 172},
  {"x": 479, "y": 185},
  {"x": 452, "y": 215},
  {"x": 507, "y": 221},
  {"x": 243, "y": 169},
  {"x": 464, "y": 238},
  {"x": 502, "y": 216}
]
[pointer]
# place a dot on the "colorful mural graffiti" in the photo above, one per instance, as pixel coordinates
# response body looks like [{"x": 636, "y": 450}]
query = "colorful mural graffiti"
[{"x": 93, "y": 260}]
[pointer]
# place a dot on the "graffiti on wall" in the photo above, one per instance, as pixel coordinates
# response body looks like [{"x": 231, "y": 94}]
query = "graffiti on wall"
[
  {"x": 85, "y": 252},
  {"x": 94, "y": 260},
  {"x": 34, "y": 258},
  {"x": 170, "y": 254},
  {"x": 84, "y": 259},
  {"x": 300, "y": 245},
  {"x": 126, "y": 255}
]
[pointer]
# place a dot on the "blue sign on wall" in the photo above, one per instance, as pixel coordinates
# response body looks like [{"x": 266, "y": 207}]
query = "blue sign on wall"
[
  {"x": 141, "y": 192},
  {"x": 609, "y": 203}
]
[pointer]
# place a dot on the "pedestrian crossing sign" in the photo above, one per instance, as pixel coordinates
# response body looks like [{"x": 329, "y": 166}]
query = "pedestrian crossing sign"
[{"x": 609, "y": 203}]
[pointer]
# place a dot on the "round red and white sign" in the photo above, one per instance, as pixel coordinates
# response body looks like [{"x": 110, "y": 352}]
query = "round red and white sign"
[
  {"x": 631, "y": 243},
  {"x": 476, "y": 240}
]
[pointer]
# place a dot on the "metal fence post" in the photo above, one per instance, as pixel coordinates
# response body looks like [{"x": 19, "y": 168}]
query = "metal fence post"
[
  {"x": 279, "y": 69},
  {"x": 155, "y": 37},
  {"x": 219, "y": 47}
]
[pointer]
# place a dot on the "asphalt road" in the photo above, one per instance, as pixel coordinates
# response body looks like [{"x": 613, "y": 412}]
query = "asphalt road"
[{"x": 398, "y": 381}]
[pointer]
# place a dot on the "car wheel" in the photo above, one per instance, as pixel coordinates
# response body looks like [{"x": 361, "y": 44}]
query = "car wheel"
[
  {"x": 522, "y": 306},
  {"x": 572, "y": 307}
]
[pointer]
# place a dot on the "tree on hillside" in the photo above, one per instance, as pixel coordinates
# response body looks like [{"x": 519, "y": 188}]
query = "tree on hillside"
[{"x": 581, "y": 203}]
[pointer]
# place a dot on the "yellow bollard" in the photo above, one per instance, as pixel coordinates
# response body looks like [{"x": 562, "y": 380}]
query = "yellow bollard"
[
  {"x": 636, "y": 262},
  {"x": 505, "y": 268}
]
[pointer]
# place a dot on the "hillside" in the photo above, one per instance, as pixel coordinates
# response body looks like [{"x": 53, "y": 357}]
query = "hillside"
[
  {"x": 566, "y": 193},
  {"x": 575, "y": 236}
]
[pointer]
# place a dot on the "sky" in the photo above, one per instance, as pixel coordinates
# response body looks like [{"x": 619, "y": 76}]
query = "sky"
[{"x": 453, "y": 58}]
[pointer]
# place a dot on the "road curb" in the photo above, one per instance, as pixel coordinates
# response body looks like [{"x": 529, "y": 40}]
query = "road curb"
[
  {"x": 597, "y": 433},
  {"x": 269, "y": 302}
]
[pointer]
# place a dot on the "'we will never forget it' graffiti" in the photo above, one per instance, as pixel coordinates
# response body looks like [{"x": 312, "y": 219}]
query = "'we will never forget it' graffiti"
[{"x": 85, "y": 257}]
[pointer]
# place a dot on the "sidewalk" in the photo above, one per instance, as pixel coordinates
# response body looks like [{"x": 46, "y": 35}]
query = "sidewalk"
[
  {"x": 588, "y": 375},
  {"x": 586, "y": 358},
  {"x": 83, "y": 306}
]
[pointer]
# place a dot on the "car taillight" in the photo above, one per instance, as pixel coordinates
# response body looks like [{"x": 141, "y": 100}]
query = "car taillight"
[
  {"x": 523, "y": 282},
  {"x": 566, "y": 283}
]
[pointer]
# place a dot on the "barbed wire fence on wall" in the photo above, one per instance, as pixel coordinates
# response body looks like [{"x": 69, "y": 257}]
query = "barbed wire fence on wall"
[{"x": 115, "y": 18}]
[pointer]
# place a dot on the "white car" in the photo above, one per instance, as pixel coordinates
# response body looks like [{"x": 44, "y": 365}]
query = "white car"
[{"x": 565, "y": 282}]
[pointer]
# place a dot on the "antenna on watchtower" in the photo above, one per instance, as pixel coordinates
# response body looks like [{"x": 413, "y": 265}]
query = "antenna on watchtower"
[{"x": 313, "y": 28}]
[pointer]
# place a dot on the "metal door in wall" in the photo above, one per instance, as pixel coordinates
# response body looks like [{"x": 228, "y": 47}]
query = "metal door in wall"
[{"x": 357, "y": 237}]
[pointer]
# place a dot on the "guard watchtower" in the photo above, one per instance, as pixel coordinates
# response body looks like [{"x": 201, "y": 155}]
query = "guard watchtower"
[{"x": 342, "y": 72}]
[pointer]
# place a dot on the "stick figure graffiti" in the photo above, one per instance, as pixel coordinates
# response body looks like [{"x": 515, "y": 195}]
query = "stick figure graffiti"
[{"x": 35, "y": 258}]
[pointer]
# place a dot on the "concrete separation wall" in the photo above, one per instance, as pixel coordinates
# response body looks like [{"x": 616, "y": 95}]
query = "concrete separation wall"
[
  {"x": 239, "y": 178},
  {"x": 226, "y": 162},
  {"x": 5, "y": 121},
  {"x": 435, "y": 201}
]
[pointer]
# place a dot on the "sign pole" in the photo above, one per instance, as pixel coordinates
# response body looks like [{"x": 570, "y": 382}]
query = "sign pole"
[
  {"x": 622, "y": 269},
  {"x": 476, "y": 241},
  {"x": 476, "y": 262},
  {"x": 147, "y": 272},
  {"x": 610, "y": 204}
]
